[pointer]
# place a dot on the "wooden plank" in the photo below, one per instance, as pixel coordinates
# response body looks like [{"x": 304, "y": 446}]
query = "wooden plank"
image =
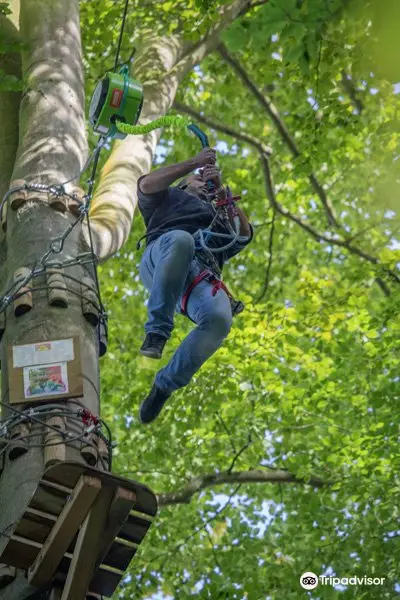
[
  {"x": 49, "y": 500},
  {"x": 68, "y": 474},
  {"x": 121, "y": 506},
  {"x": 35, "y": 525},
  {"x": 104, "y": 582},
  {"x": 141, "y": 515},
  {"x": 20, "y": 552},
  {"x": 134, "y": 529},
  {"x": 64, "y": 530},
  {"x": 81, "y": 571},
  {"x": 55, "y": 448},
  {"x": 40, "y": 515},
  {"x": 121, "y": 554},
  {"x": 57, "y": 486}
]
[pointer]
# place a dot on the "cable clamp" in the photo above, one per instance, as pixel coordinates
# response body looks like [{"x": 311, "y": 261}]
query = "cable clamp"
[
  {"x": 38, "y": 271},
  {"x": 57, "y": 245},
  {"x": 83, "y": 209},
  {"x": 60, "y": 190},
  {"x": 90, "y": 429}
]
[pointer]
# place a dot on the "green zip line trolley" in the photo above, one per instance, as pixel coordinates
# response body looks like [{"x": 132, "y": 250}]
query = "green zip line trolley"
[{"x": 116, "y": 98}]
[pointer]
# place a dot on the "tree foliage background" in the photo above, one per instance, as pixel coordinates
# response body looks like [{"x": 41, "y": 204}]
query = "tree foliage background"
[{"x": 282, "y": 455}]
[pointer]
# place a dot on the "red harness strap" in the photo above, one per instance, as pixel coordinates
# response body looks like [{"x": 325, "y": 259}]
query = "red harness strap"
[
  {"x": 190, "y": 288},
  {"x": 206, "y": 274}
]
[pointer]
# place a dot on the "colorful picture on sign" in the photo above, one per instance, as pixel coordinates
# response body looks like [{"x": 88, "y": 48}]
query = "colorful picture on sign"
[
  {"x": 45, "y": 380},
  {"x": 42, "y": 346}
]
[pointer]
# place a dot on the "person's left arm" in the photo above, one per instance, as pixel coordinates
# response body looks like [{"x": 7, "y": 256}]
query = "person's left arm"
[{"x": 245, "y": 227}]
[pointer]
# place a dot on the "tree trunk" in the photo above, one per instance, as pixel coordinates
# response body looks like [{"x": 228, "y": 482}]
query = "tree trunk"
[
  {"x": 10, "y": 63},
  {"x": 51, "y": 149}
]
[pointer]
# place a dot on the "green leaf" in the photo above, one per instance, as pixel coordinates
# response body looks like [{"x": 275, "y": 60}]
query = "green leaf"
[
  {"x": 5, "y": 8},
  {"x": 10, "y": 83}
]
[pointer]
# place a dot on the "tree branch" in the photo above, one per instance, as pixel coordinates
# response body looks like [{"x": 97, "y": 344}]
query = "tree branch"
[
  {"x": 253, "y": 476},
  {"x": 235, "y": 133},
  {"x": 202, "y": 527},
  {"x": 238, "y": 455},
  {"x": 382, "y": 284},
  {"x": 225, "y": 427},
  {"x": 347, "y": 84},
  {"x": 320, "y": 237},
  {"x": 251, "y": 5},
  {"x": 194, "y": 53},
  {"x": 270, "y": 247},
  {"x": 277, "y": 120}
]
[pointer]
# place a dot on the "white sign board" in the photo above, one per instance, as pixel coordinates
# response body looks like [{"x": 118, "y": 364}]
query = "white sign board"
[{"x": 43, "y": 353}]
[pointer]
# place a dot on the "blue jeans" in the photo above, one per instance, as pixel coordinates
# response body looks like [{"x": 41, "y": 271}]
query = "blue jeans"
[{"x": 167, "y": 267}]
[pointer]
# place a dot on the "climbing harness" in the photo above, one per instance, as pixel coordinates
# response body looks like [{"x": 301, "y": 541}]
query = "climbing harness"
[
  {"x": 204, "y": 252},
  {"x": 207, "y": 275}
]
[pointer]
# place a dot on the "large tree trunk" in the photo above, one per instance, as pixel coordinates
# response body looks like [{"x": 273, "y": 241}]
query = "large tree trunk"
[
  {"x": 10, "y": 63},
  {"x": 52, "y": 148}
]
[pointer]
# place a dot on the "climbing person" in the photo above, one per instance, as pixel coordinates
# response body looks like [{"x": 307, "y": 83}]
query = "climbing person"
[{"x": 180, "y": 276}]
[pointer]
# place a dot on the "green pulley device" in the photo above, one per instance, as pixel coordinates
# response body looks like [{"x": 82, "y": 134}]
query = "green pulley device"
[
  {"x": 117, "y": 102},
  {"x": 117, "y": 98}
]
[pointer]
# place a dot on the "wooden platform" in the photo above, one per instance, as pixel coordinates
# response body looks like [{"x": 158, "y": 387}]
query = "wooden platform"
[{"x": 82, "y": 528}]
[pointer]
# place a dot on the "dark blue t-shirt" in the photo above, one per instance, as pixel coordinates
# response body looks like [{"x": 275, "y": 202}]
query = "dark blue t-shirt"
[{"x": 174, "y": 208}]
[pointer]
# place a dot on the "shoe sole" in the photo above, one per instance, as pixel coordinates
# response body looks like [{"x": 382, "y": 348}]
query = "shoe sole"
[
  {"x": 140, "y": 419},
  {"x": 150, "y": 354}
]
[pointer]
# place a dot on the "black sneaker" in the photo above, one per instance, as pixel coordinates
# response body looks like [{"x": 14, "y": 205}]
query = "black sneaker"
[
  {"x": 153, "y": 345},
  {"x": 152, "y": 406}
]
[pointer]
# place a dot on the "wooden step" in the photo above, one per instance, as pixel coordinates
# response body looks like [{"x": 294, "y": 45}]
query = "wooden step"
[{"x": 79, "y": 509}]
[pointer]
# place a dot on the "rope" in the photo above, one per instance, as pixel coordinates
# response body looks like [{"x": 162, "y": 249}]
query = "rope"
[
  {"x": 168, "y": 120},
  {"x": 90, "y": 422},
  {"x": 121, "y": 33}
]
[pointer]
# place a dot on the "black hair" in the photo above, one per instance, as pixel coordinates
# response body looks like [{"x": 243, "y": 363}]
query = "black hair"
[{"x": 183, "y": 183}]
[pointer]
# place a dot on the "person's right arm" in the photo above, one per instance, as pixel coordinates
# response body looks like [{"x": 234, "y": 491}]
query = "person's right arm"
[{"x": 162, "y": 178}]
